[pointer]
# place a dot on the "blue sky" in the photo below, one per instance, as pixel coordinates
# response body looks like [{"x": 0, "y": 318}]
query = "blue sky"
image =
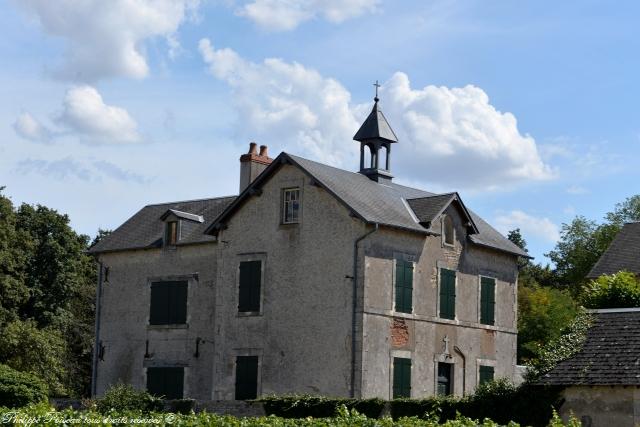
[{"x": 528, "y": 109}]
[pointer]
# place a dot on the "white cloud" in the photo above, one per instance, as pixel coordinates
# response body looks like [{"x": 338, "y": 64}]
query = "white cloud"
[
  {"x": 83, "y": 170},
  {"x": 107, "y": 38},
  {"x": 577, "y": 190},
  {"x": 455, "y": 137},
  {"x": 86, "y": 115},
  {"x": 452, "y": 138},
  {"x": 29, "y": 128},
  {"x": 284, "y": 15},
  {"x": 288, "y": 104},
  {"x": 529, "y": 225}
]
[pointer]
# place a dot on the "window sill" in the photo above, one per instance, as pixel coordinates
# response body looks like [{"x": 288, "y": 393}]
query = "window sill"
[
  {"x": 163, "y": 327},
  {"x": 249, "y": 314}
]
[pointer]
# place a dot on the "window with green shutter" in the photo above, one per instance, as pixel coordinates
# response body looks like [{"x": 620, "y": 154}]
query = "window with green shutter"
[
  {"x": 250, "y": 282},
  {"x": 447, "y": 294},
  {"x": 404, "y": 286},
  {"x": 168, "y": 303},
  {"x": 246, "y": 377},
  {"x": 487, "y": 300},
  {"x": 401, "y": 377},
  {"x": 166, "y": 382},
  {"x": 486, "y": 374}
]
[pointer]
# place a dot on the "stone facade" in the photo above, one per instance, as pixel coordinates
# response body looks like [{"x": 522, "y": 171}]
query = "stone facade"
[
  {"x": 602, "y": 406},
  {"x": 303, "y": 334}
]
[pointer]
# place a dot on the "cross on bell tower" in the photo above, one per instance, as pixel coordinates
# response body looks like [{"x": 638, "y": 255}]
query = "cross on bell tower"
[{"x": 375, "y": 134}]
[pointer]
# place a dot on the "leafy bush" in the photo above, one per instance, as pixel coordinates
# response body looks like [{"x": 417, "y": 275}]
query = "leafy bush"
[
  {"x": 301, "y": 406},
  {"x": 19, "y": 389},
  {"x": 542, "y": 314},
  {"x": 618, "y": 290},
  {"x": 41, "y": 352},
  {"x": 123, "y": 397},
  {"x": 180, "y": 406}
]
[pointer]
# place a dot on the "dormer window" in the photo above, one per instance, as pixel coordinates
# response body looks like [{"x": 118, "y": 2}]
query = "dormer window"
[
  {"x": 291, "y": 205},
  {"x": 172, "y": 233},
  {"x": 447, "y": 230}
]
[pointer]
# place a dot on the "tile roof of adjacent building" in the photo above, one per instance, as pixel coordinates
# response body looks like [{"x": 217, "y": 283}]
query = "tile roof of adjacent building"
[
  {"x": 622, "y": 254},
  {"x": 145, "y": 229},
  {"x": 610, "y": 355},
  {"x": 382, "y": 203}
]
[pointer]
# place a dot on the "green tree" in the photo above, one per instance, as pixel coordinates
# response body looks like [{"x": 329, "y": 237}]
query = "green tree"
[
  {"x": 620, "y": 290},
  {"x": 543, "y": 313},
  {"x": 41, "y": 352}
]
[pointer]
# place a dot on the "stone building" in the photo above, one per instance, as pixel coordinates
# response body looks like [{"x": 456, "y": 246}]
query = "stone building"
[{"x": 312, "y": 280}]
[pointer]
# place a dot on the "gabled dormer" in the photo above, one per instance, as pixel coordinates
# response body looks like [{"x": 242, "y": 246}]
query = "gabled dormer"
[
  {"x": 428, "y": 210},
  {"x": 178, "y": 224}
]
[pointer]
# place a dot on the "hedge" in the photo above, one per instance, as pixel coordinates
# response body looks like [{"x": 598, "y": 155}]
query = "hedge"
[
  {"x": 19, "y": 389},
  {"x": 302, "y": 406}
]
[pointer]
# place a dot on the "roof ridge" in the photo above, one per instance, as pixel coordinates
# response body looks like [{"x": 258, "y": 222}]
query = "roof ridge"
[{"x": 189, "y": 201}]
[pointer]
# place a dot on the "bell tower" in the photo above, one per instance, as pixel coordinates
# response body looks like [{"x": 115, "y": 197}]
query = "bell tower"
[{"x": 374, "y": 135}]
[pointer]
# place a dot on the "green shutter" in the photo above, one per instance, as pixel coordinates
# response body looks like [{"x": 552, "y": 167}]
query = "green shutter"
[
  {"x": 166, "y": 382},
  {"x": 447, "y": 294},
  {"x": 159, "y": 307},
  {"x": 404, "y": 286},
  {"x": 246, "y": 377},
  {"x": 487, "y": 300},
  {"x": 486, "y": 374},
  {"x": 249, "y": 281},
  {"x": 401, "y": 377},
  {"x": 168, "y": 303}
]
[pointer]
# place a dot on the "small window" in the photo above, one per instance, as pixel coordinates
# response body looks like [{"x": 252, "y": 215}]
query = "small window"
[
  {"x": 485, "y": 374},
  {"x": 166, "y": 382},
  {"x": 404, "y": 286},
  {"x": 291, "y": 205},
  {"x": 487, "y": 300},
  {"x": 249, "y": 286},
  {"x": 401, "y": 377},
  {"x": 445, "y": 385},
  {"x": 246, "y": 377},
  {"x": 447, "y": 294},
  {"x": 168, "y": 303},
  {"x": 447, "y": 230},
  {"x": 171, "y": 237}
]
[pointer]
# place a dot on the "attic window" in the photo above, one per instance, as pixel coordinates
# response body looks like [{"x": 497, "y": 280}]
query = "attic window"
[
  {"x": 447, "y": 230},
  {"x": 171, "y": 237},
  {"x": 291, "y": 205}
]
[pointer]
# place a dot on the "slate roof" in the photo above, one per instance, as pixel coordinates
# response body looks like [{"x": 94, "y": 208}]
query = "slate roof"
[
  {"x": 375, "y": 127},
  {"x": 622, "y": 254},
  {"x": 145, "y": 229},
  {"x": 184, "y": 215},
  {"x": 610, "y": 355},
  {"x": 387, "y": 204}
]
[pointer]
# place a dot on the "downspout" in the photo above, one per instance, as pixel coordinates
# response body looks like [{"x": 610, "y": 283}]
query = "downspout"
[
  {"x": 96, "y": 345},
  {"x": 354, "y": 308},
  {"x": 464, "y": 369}
]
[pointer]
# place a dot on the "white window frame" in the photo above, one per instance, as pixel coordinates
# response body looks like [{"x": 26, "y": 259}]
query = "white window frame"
[{"x": 286, "y": 204}]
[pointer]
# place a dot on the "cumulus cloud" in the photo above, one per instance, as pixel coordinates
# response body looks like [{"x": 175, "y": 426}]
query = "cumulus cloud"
[
  {"x": 107, "y": 38},
  {"x": 449, "y": 137},
  {"x": 455, "y": 137},
  {"x": 85, "y": 114},
  {"x": 284, "y": 15},
  {"x": 287, "y": 103},
  {"x": 29, "y": 128},
  {"x": 529, "y": 225}
]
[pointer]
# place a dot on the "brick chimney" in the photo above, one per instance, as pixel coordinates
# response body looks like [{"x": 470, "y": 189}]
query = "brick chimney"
[{"x": 252, "y": 164}]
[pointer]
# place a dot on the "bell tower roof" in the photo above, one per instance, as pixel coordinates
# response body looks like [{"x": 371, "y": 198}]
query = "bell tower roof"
[{"x": 375, "y": 127}]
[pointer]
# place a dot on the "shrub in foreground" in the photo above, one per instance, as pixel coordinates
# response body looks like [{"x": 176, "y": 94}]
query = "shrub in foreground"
[
  {"x": 302, "y": 406},
  {"x": 19, "y": 389},
  {"x": 123, "y": 397}
]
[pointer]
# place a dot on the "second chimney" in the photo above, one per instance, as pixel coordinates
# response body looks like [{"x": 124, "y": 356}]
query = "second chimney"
[{"x": 252, "y": 164}]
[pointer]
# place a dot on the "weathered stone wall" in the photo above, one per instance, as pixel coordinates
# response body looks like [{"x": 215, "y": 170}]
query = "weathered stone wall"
[
  {"x": 602, "y": 406},
  {"x": 124, "y": 323},
  {"x": 303, "y": 333},
  {"x": 420, "y": 334}
]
